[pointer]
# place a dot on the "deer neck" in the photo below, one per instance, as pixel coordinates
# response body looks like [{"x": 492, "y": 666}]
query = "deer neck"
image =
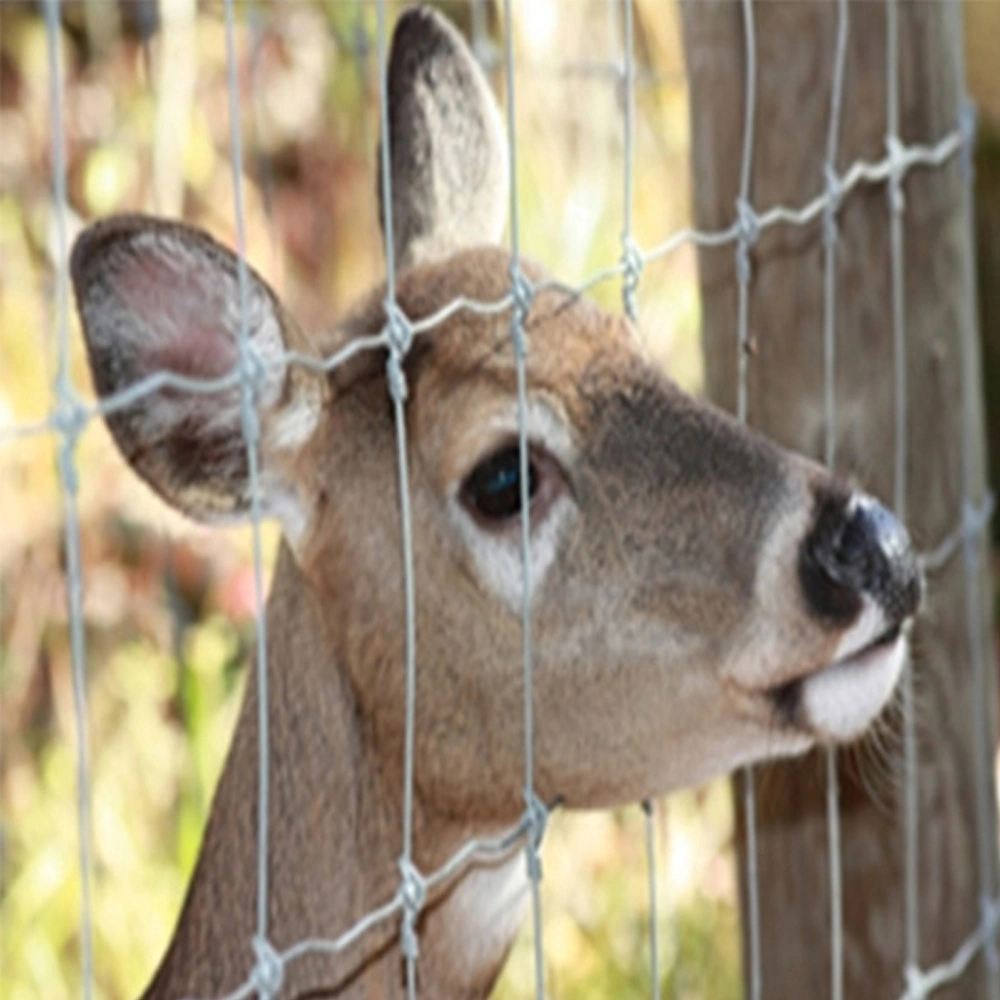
[{"x": 334, "y": 841}]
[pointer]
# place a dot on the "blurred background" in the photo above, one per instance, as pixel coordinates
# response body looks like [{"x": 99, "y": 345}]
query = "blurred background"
[{"x": 169, "y": 608}]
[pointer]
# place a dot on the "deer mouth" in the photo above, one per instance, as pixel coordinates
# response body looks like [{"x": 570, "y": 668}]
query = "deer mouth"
[{"x": 838, "y": 702}]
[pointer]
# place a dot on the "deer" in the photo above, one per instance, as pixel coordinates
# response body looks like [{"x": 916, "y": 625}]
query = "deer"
[{"x": 701, "y": 599}]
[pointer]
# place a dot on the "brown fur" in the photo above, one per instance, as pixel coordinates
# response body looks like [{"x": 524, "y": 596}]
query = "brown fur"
[{"x": 669, "y": 615}]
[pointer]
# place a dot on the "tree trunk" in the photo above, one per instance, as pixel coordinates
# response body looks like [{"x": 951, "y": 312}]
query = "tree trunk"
[{"x": 795, "y": 48}]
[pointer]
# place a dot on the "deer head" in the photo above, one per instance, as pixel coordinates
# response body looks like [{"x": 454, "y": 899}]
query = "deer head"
[{"x": 701, "y": 599}]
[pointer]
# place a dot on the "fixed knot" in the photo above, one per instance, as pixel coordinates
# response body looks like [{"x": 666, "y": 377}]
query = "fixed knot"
[
  {"x": 897, "y": 167},
  {"x": 971, "y": 524},
  {"x": 412, "y": 887},
  {"x": 536, "y": 818},
  {"x": 522, "y": 292},
  {"x": 747, "y": 232},
  {"x": 747, "y": 223},
  {"x": 974, "y": 521},
  {"x": 632, "y": 265},
  {"x": 834, "y": 197},
  {"x": 251, "y": 368},
  {"x": 536, "y": 815},
  {"x": 989, "y": 910},
  {"x": 269, "y": 971},
  {"x": 69, "y": 418},
  {"x": 399, "y": 335},
  {"x": 398, "y": 329},
  {"x": 968, "y": 126},
  {"x": 412, "y": 896}
]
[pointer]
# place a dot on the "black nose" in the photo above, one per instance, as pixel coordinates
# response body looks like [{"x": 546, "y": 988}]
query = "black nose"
[{"x": 857, "y": 548}]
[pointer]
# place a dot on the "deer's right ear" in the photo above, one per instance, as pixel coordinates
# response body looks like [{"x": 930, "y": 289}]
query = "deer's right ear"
[
  {"x": 449, "y": 152},
  {"x": 156, "y": 296}
]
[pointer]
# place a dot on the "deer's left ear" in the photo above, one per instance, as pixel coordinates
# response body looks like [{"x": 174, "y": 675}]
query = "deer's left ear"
[
  {"x": 449, "y": 152},
  {"x": 156, "y": 296}
]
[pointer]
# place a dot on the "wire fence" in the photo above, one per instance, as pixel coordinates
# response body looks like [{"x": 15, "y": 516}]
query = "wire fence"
[{"x": 70, "y": 414}]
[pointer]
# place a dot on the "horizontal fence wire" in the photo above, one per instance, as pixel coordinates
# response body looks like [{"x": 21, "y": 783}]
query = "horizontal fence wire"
[
  {"x": 78, "y": 413},
  {"x": 70, "y": 415}
]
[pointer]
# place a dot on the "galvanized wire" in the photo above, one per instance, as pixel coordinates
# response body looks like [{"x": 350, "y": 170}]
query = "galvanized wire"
[
  {"x": 632, "y": 264},
  {"x": 896, "y": 204},
  {"x": 649, "y": 822},
  {"x": 70, "y": 416},
  {"x": 249, "y": 370},
  {"x": 830, "y": 238},
  {"x": 631, "y": 257},
  {"x": 521, "y": 296},
  {"x": 921, "y": 984},
  {"x": 413, "y": 890},
  {"x": 747, "y": 233},
  {"x": 983, "y": 693},
  {"x": 69, "y": 420}
]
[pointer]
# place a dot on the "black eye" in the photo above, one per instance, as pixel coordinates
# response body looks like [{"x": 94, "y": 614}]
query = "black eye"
[{"x": 493, "y": 489}]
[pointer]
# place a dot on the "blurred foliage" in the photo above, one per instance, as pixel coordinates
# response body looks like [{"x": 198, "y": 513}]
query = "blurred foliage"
[{"x": 169, "y": 608}]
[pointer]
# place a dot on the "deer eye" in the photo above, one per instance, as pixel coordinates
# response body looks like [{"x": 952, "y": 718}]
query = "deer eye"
[{"x": 493, "y": 488}]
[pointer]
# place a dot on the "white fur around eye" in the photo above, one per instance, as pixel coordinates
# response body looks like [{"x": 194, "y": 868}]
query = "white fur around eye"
[{"x": 496, "y": 555}]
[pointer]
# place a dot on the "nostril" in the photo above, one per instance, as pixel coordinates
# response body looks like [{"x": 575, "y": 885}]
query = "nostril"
[
  {"x": 857, "y": 548},
  {"x": 850, "y": 555},
  {"x": 829, "y": 562}
]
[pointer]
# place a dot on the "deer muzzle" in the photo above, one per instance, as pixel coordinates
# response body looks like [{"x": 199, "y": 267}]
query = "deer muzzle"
[{"x": 859, "y": 572}]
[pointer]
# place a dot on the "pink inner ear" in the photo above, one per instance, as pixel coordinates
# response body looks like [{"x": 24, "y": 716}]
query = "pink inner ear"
[
  {"x": 180, "y": 305},
  {"x": 196, "y": 353}
]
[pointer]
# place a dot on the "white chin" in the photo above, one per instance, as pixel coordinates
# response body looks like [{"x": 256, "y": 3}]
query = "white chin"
[{"x": 840, "y": 702}]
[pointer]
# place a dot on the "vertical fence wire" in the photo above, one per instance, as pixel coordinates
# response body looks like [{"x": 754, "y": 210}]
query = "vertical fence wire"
[
  {"x": 748, "y": 231},
  {"x": 896, "y": 206},
  {"x": 521, "y": 295},
  {"x": 830, "y": 238},
  {"x": 972, "y": 540},
  {"x": 251, "y": 371},
  {"x": 631, "y": 272},
  {"x": 70, "y": 421},
  {"x": 631, "y": 257},
  {"x": 649, "y": 823},
  {"x": 747, "y": 225},
  {"x": 412, "y": 890}
]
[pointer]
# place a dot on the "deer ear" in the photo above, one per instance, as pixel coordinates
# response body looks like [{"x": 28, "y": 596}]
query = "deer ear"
[
  {"x": 156, "y": 296},
  {"x": 449, "y": 153}
]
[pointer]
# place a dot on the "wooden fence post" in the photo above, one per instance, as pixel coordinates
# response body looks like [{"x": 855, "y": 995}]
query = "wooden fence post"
[{"x": 795, "y": 50}]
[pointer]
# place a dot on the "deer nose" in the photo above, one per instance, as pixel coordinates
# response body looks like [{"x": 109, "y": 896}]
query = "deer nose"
[{"x": 858, "y": 549}]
